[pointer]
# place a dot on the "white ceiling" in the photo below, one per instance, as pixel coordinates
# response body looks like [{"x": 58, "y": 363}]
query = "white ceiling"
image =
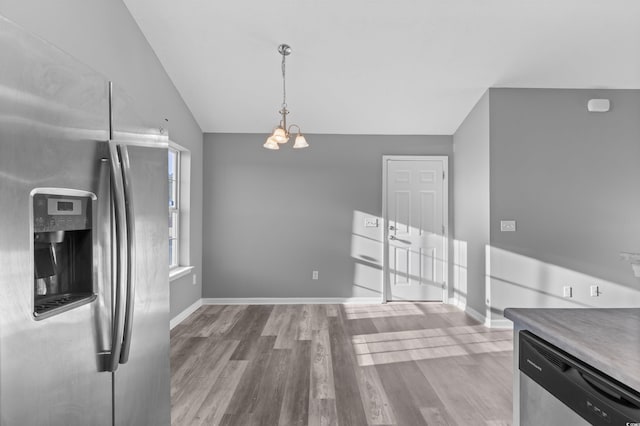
[{"x": 382, "y": 66}]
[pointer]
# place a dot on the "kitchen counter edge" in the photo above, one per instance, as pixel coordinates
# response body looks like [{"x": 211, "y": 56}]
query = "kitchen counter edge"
[{"x": 606, "y": 339}]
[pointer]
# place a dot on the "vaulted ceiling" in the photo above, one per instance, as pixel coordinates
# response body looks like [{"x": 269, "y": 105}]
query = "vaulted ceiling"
[{"x": 382, "y": 66}]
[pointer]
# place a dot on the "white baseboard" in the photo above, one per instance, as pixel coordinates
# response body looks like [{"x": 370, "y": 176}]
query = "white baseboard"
[
  {"x": 500, "y": 323},
  {"x": 475, "y": 315},
  {"x": 488, "y": 322},
  {"x": 458, "y": 303},
  {"x": 291, "y": 300},
  {"x": 462, "y": 305},
  {"x": 184, "y": 314},
  {"x": 491, "y": 323}
]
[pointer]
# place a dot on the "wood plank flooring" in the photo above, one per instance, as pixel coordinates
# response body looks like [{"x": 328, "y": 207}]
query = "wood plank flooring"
[{"x": 396, "y": 364}]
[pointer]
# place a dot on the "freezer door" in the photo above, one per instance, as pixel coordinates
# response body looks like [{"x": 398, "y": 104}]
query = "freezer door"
[
  {"x": 141, "y": 382},
  {"x": 53, "y": 113}
]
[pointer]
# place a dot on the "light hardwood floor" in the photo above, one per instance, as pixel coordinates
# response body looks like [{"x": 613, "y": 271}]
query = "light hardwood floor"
[{"x": 350, "y": 365}]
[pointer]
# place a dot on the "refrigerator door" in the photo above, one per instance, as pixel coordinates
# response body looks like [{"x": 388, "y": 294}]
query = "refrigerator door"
[
  {"x": 142, "y": 381},
  {"x": 53, "y": 115}
]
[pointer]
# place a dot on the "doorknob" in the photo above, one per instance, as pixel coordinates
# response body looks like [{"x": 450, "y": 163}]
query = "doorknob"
[
  {"x": 392, "y": 228},
  {"x": 392, "y": 237}
]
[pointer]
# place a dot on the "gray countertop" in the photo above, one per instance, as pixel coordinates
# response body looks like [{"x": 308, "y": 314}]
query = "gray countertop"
[{"x": 607, "y": 339}]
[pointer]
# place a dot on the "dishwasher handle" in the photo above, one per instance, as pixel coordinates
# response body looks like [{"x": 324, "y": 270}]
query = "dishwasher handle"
[{"x": 610, "y": 391}]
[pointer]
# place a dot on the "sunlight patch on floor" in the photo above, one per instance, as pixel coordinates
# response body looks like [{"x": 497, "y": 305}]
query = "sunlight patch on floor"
[
  {"x": 381, "y": 311},
  {"x": 415, "y": 345}
]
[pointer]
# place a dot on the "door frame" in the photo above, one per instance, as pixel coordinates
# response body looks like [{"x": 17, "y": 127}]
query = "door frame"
[{"x": 445, "y": 215}]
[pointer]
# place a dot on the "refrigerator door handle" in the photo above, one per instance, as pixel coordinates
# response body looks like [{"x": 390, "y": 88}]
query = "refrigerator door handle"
[
  {"x": 118, "y": 196},
  {"x": 131, "y": 251}
]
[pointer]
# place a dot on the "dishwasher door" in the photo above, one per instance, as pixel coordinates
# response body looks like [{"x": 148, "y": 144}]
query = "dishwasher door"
[
  {"x": 558, "y": 389},
  {"x": 538, "y": 407}
]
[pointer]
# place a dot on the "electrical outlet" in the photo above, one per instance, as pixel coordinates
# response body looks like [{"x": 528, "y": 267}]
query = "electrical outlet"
[
  {"x": 194, "y": 279},
  {"x": 314, "y": 275},
  {"x": 566, "y": 291},
  {"x": 594, "y": 291}
]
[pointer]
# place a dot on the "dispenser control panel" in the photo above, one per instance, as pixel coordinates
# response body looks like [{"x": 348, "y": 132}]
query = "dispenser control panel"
[{"x": 61, "y": 213}]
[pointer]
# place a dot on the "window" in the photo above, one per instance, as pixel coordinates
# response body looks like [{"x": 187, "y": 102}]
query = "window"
[
  {"x": 174, "y": 207},
  {"x": 179, "y": 210}
]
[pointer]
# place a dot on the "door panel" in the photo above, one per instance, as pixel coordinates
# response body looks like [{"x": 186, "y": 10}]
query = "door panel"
[
  {"x": 142, "y": 386},
  {"x": 428, "y": 264},
  {"x": 401, "y": 271},
  {"x": 416, "y": 243},
  {"x": 401, "y": 218},
  {"x": 428, "y": 214}
]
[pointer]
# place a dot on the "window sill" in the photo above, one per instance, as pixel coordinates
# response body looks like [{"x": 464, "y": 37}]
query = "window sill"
[{"x": 179, "y": 272}]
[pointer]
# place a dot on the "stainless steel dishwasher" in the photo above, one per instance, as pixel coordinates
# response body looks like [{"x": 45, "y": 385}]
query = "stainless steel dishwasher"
[{"x": 556, "y": 389}]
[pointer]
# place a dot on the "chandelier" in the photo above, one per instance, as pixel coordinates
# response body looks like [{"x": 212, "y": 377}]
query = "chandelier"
[{"x": 281, "y": 134}]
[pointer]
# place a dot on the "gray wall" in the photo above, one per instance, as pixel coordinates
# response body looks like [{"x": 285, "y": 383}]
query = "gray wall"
[
  {"x": 471, "y": 201},
  {"x": 570, "y": 178},
  {"x": 103, "y": 35},
  {"x": 271, "y": 217}
]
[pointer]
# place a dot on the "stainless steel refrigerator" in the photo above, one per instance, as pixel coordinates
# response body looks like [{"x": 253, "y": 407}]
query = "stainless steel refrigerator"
[{"x": 84, "y": 292}]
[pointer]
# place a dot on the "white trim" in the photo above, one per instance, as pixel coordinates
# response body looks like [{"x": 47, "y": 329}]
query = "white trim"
[
  {"x": 496, "y": 323},
  {"x": 176, "y": 146},
  {"x": 445, "y": 218},
  {"x": 385, "y": 232},
  {"x": 184, "y": 202},
  {"x": 487, "y": 322},
  {"x": 174, "y": 211},
  {"x": 290, "y": 300},
  {"x": 179, "y": 272},
  {"x": 458, "y": 303},
  {"x": 500, "y": 323},
  {"x": 475, "y": 315},
  {"x": 184, "y": 314}
]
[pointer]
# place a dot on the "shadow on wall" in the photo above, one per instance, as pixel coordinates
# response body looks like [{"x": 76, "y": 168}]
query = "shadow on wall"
[
  {"x": 535, "y": 294},
  {"x": 367, "y": 251},
  {"x": 514, "y": 280},
  {"x": 511, "y": 280}
]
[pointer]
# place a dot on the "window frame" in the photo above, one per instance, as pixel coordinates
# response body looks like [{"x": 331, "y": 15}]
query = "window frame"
[
  {"x": 182, "y": 212},
  {"x": 174, "y": 211}
]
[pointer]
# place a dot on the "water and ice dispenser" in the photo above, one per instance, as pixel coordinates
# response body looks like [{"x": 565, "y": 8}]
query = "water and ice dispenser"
[{"x": 62, "y": 251}]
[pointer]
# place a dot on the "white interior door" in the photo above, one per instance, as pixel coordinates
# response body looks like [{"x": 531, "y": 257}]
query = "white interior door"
[{"x": 415, "y": 239}]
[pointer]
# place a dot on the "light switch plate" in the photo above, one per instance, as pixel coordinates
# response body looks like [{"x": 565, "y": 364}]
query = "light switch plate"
[
  {"x": 370, "y": 222},
  {"x": 507, "y": 225}
]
